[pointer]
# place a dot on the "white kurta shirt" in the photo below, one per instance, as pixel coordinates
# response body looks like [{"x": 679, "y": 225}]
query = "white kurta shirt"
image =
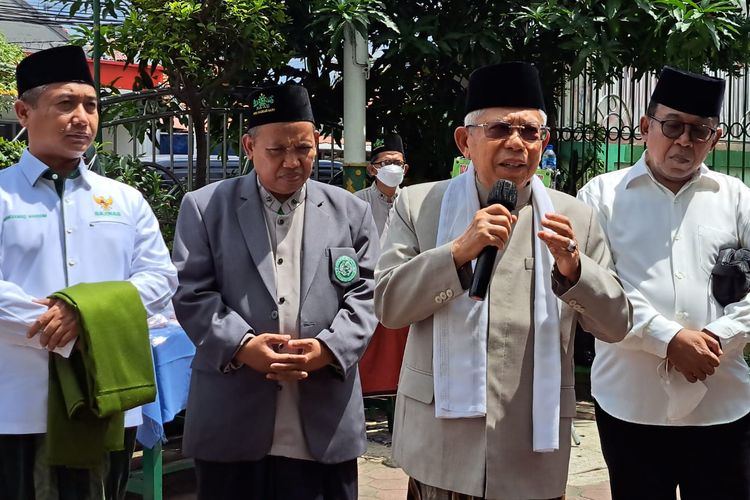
[
  {"x": 664, "y": 247},
  {"x": 285, "y": 223},
  {"x": 101, "y": 230}
]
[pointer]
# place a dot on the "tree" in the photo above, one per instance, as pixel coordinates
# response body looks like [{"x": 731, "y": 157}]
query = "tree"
[
  {"x": 421, "y": 62},
  {"x": 417, "y": 84},
  {"x": 600, "y": 38},
  {"x": 203, "y": 46},
  {"x": 10, "y": 56},
  {"x": 314, "y": 37}
]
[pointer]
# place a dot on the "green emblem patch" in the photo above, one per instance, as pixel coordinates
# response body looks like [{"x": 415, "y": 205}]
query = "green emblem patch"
[
  {"x": 378, "y": 144},
  {"x": 262, "y": 102},
  {"x": 345, "y": 269}
]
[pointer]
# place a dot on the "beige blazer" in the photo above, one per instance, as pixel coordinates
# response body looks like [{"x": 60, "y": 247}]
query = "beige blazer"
[{"x": 491, "y": 456}]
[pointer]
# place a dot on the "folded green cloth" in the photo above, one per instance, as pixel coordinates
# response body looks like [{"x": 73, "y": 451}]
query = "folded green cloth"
[{"x": 108, "y": 372}]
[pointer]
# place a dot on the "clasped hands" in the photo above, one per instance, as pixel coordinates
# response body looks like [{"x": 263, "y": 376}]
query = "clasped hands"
[
  {"x": 57, "y": 326},
  {"x": 694, "y": 353},
  {"x": 493, "y": 225},
  {"x": 283, "y": 358}
]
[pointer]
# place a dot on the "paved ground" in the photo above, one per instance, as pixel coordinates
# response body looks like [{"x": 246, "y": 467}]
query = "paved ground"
[
  {"x": 380, "y": 479},
  {"x": 587, "y": 480}
]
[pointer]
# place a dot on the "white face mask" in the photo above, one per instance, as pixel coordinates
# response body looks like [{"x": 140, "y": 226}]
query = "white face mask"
[
  {"x": 683, "y": 396},
  {"x": 391, "y": 175}
]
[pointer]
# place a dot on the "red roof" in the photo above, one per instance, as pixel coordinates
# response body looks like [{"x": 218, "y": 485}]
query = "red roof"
[{"x": 114, "y": 73}]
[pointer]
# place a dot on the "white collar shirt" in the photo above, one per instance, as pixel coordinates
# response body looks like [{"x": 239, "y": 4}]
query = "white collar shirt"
[
  {"x": 99, "y": 230},
  {"x": 664, "y": 246}
]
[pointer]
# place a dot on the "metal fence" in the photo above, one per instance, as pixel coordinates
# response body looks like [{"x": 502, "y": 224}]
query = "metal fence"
[
  {"x": 598, "y": 129},
  {"x": 160, "y": 133}
]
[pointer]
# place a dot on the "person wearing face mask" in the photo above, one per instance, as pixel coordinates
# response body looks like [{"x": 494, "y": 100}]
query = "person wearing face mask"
[
  {"x": 381, "y": 364},
  {"x": 388, "y": 167},
  {"x": 677, "y": 386}
]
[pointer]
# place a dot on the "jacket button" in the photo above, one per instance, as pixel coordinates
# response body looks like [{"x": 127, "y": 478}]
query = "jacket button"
[
  {"x": 449, "y": 293},
  {"x": 443, "y": 296},
  {"x": 438, "y": 299},
  {"x": 274, "y": 314}
]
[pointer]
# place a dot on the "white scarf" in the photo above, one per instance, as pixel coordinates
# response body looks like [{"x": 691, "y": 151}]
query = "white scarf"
[{"x": 460, "y": 327}]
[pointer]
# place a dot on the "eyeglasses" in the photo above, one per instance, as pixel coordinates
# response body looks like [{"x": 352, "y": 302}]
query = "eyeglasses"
[
  {"x": 529, "y": 132},
  {"x": 675, "y": 128},
  {"x": 388, "y": 162}
]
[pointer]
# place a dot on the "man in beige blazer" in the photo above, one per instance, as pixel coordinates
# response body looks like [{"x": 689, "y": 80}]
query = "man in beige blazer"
[{"x": 493, "y": 423}]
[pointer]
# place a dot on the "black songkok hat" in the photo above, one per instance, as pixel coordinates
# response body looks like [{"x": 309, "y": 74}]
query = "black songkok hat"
[
  {"x": 66, "y": 63},
  {"x": 504, "y": 85},
  {"x": 281, "y": 103},
  {"x": 691, "y": 93},
  {"x": 390, "y": 142}
]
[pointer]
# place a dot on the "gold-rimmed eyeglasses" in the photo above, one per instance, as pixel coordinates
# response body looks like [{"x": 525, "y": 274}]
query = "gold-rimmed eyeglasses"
[{"x": 529, "y": 132}]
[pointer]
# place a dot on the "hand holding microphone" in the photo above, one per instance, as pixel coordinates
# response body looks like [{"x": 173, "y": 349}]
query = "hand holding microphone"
[{"x": 488, "y": 231}]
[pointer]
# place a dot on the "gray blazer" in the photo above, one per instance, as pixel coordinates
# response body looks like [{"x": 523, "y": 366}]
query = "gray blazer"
[
  {"x": 225, "y": 265},
  {"x": 488, "y": 457}
]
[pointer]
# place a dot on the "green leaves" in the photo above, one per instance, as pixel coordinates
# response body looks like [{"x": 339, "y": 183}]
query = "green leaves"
[
  {"x": 10, "y": 55},
  {"x": 336, "y": 16},
  {"x": 599, "y": 38},
  {"x": 698, "y": 34},
  {"x": 200, "y": 44},
  {"x": 150, "y": 183},
  {"x": 10, "y": 152},
  {"x": 110, "y": 9},
  {"x": 422, "y": 51}
]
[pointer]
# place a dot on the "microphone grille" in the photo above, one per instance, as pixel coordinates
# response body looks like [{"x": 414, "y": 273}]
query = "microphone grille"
[{"x": 505, "y": 193}]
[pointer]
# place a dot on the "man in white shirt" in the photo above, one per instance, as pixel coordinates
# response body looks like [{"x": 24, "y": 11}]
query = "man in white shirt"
[
  {"x": 674, "y": 396},
  {"x": 62, "y": 225}
]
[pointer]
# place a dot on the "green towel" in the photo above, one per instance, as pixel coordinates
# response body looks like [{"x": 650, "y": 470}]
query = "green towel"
[{"x": 108, "y": 372}]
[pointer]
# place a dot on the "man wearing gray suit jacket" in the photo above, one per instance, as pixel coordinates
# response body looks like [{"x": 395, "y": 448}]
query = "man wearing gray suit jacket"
[
  {"x": 276, "y": 285},
  {"x": 486, "y": 395}
]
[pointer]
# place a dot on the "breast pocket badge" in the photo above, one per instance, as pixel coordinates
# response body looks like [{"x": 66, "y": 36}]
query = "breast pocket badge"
[{"x": 344, "y": 265}]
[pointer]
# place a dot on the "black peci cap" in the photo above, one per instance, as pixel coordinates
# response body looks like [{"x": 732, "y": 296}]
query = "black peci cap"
[
  {"x": 281, "y": 103},
  {"x": 504, "y": 85},
  {"x": 390, "y": 142},
  {"x": 688, "y": 92},
  {"x": 66, "y": 63}
]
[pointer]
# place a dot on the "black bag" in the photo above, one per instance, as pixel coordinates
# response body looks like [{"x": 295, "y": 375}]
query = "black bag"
[{"x": 730, "y": 277}]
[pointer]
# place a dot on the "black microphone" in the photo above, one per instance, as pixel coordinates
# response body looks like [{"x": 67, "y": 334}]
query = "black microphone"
[{"x": 505, "y": 193}]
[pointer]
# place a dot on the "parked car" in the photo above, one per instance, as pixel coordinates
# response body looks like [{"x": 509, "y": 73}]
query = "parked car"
[
  {"x": 330, "y": 172},
  {"x": 178, "y": 165}
]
